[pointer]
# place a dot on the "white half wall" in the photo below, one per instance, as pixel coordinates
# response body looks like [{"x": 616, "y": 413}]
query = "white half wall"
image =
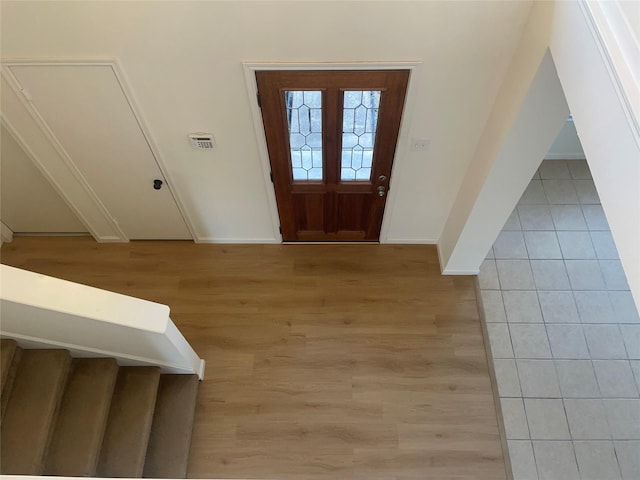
[
  {"x": 527, "y": 115},
  {"x": 45, "y": 312},
  {"x": 541, "y": 117},
  {"x": 600, "y": 91}
]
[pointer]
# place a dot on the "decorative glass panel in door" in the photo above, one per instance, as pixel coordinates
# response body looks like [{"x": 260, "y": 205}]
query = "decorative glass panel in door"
[
  {"x": 359, "y": 122},
  {"x": 304, "y": 119}
]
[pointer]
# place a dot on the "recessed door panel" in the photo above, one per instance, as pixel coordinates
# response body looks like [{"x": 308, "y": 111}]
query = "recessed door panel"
[
  {"x": 87, "y": 111},
  {"x": 309, "y": 212},
  {"x": 354, "y": 211}
]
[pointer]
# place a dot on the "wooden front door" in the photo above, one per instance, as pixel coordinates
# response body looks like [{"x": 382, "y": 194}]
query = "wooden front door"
[{"x": 331, "y": 137}]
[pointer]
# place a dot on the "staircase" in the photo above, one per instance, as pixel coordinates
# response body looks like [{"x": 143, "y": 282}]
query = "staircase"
[{"x": 88, "y": 417}]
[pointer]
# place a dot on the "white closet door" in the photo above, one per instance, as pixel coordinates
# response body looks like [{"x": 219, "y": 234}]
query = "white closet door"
[{"x": 86, "y": 109}]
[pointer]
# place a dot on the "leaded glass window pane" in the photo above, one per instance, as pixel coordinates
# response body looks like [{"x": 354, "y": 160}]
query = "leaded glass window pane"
[
  {"x": 304, "y": 119},
  {"x": 359, "y": 122}
]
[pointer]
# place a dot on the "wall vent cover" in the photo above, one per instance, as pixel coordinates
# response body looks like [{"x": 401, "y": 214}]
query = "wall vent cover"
[{"x": 202, "y": 141}]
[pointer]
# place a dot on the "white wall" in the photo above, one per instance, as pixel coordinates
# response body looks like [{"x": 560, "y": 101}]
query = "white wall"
[
  {"x": 541, "y": 116},
  {"x": 183, "y": 61},
  {"x": 600, "y": 89},
  {"x": 515, "y": 139},
  {"x": 631, "y": 11},
  {"x": 29, "y": 203},
  {"x": 606, "y": 123},
  {"x": 566, "y": 145}
]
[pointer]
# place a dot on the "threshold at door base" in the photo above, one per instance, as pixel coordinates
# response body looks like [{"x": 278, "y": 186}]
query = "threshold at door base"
[{"x": 330, "y": 242}]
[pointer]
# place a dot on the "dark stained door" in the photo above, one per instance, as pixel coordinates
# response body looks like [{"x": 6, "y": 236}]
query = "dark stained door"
[{"x": 331, "y": 137}]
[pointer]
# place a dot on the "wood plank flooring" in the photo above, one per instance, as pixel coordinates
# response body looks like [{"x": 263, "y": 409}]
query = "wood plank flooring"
[{"x": 323, "y": 361}]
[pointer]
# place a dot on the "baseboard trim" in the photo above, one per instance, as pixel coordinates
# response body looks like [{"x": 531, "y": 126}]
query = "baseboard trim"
[
  {"x": 52, "y": 234},
  {"x": 409, "y": 241},
  {"x": 110, "y": 239},
  {"x": 565, "y": 156},
  {"x": 460, "y": 272},
  {"x": 455, "y": 271},
  {"x": 236, "y": 240},
  {"x": 494, "y": 382}
]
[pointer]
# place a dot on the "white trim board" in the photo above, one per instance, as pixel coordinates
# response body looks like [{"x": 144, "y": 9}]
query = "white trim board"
[
  {"x": 52, "y": 234},
  {"x": 6, "y": 234},
  {"x": 411, "y": 241},
  {"x": 620, "y": 53},
  {"x": 231, "y": 241},
  {"x": 252, "y": 89},
  {"x": 455, "y": 271},
  {"x": 564, "y": 156}
]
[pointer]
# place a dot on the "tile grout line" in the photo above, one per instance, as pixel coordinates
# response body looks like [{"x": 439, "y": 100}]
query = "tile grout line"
[{"x": 571, "y": 287}]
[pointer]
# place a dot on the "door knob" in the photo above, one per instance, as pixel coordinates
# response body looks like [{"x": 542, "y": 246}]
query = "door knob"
[
  {"x": 157, "y": 184},
  {"x": 381, "y": 191}
]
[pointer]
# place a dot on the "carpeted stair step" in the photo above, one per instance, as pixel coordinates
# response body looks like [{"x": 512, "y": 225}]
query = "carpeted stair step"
[
  {"x": 32, "y": 407},
  {"x": 170, "y": 440},
  {"x": 11, "y": 354},
  {"x": 77, "y": 435},
  {"x": 127, "y": 434},
  {"x": 7, "y": 349}
]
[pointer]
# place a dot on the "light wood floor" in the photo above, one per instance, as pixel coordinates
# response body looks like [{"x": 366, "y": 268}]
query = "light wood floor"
[{"x": 323, "y": 361}]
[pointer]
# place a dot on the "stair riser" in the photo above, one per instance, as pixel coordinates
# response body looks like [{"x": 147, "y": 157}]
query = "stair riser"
[
  {"x": 32, "y": 409},
  {"x": 170, "y": 441},
  {"x": 87, "y": 417},
  {"x": 7, "y": 386},
  {"x": 127, "y": 434},
  {"x": 78, "y": 433}
]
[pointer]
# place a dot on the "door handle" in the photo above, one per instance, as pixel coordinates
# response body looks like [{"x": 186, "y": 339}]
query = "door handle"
[{"x": 381, "y": 191}]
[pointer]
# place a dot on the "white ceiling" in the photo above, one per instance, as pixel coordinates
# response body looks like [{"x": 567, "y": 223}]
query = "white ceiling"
[{"x": 183, "y": 61}]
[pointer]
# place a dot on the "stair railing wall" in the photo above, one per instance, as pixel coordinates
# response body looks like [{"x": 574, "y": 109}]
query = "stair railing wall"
[{"x": 45, "y": 312}]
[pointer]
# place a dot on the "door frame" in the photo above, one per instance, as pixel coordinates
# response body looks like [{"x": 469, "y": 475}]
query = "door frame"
[
  {"x": 101, "y": 211},
  {"x": 250, "y": 68}
]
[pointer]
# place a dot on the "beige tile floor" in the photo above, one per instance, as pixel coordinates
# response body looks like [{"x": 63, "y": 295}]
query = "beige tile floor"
[{"x": 564, "y": 334}]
